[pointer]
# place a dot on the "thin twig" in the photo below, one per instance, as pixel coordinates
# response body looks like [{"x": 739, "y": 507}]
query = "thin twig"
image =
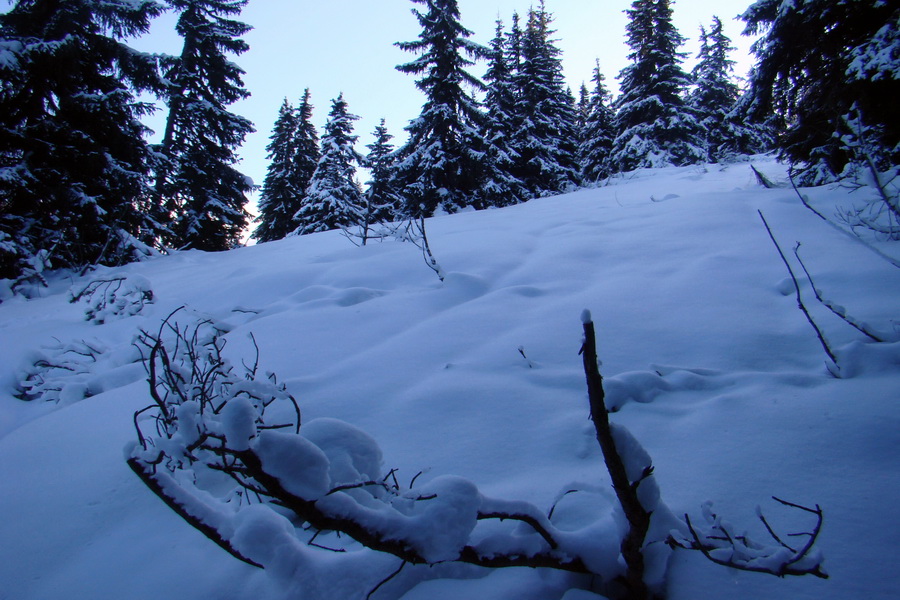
[
  {"x": 800, "y": 304},
  {"x": 356, "y": 486},
  {"x": 534, "y": 523},
  {"x": 772, "y": 533},
  {"x": 852, "y": 322},
  {"x": 385, "y": 580},
  {"x": 553, "y": 508}
]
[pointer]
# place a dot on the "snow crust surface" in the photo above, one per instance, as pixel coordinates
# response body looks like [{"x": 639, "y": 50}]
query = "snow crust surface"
[{"x": 476, "y": 383}]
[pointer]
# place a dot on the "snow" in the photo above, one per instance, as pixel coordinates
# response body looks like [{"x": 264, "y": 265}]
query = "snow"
[
  {"x": 710, "y": 366},
  {"x": 238, "y": 423},
  {"x": 441, "y": 527},
  {"x": 352, "y": 454},
  {"x": 298, "y": 464}
]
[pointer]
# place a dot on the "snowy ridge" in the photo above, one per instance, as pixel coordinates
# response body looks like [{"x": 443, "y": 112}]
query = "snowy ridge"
[{"x": 476, "y": 381}]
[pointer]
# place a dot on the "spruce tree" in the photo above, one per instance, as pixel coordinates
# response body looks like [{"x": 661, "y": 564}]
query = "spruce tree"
[
  {"x": 74, "y": 182},
  {"x": 438, "y": 166},
  {"x": 583, "y": 109},
  {"x": 714, "y": 99},
  {"x": 828, "y": 72},
  {"x": 198, "y": 177},
  {"x": 654, "y": 125},
  {"x": 513, "y": 51},
  {"x": 547, "y": 135},
  {"x": 306, "y": 147},
  {"x": 333, "y": 198},
  {"x": 279, "y": 196},
  {"x": 597, "y": 132},
  {"x": 382, "y": 203},
  {"x": 500, "y": 186}
]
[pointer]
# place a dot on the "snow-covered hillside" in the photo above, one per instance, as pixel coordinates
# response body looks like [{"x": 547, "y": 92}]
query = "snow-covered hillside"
[{"x": 705, "y": 353}]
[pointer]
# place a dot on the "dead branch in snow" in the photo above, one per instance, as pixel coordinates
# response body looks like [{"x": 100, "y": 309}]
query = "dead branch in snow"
[
  {"x": 800, "y": 304},
  {"x": 837, "y": 311},
  {"x": 626, "y": 490}
]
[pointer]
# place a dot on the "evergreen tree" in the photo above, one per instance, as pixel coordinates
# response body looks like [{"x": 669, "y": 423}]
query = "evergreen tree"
[
  {"x": 279, "y": 195},
  {"x": 828, "y": 71},
  {"x": 73, "y": 163},
  {"x": 513, "y": 50},
  {"x": 597, "y": 131},
  {"x": 333, "y": 198},
  {"x": 547, "y": 135},
  {"x": 715, "y": 96},
  {"x": 198, "y": 177},
  {"x": 382, "y": 202},
  {"x": 306, "y": 147},
  {"x": 438, "y": 164},
  {"x": 500, "y": 185},
  {"x": 583, "y": 109},
  {"x": 654, "y": 125}
]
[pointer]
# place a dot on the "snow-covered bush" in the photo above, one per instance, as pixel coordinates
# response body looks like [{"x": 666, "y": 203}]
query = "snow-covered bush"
[
  {"x": 59, "y": 374},
  {"x": 72, "y": 371},
  {"x": 31, "y": 270},
  {"x": 225, "y": 449},
  {"x": 113, "y": 298},
  {"x": 224, "y": 425},
  {"x": 201, "y": 398}
]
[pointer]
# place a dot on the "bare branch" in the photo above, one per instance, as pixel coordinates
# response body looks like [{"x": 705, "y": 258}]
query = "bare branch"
[
  {"x": 800, "y": 304},
  {"x": 626, "y": 491},
  {"x": 385, "y": 580},
  {"x": 762, "y": 179},
  {"x": 830, "y": 306}
]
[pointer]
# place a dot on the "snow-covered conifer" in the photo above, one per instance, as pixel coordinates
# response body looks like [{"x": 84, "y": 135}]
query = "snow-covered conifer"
[
  {"x": 714, "y": 99},
  {"x": 582, "y": 108},
  {"x": 306, "y": 146},
  {"x": 333, "y": 198},
  {"x": 597, "y": 132},
  {"x": 382, "y": 201},
  {"x": 654, "y": 125},
  {"x": 438, "y": 164},
  {"x": 279, "y": 196},
  {"x": 198, "y": 177},
  {"x": 546, "y": 137},
  {"x": 500, "y": 185},
  {"x": 821, "y": 65},
  {"x": 74, "y": 181}
]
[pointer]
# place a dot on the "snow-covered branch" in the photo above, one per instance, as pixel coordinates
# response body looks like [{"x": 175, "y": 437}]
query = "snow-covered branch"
[
  {"x": 207, "y": 417},
  {"x": 720, "y": 543},
  {"x": 224, "y": 448}
]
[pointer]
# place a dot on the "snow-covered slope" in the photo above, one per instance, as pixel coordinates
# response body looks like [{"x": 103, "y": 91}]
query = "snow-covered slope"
[{"x": 713, "y": 367}]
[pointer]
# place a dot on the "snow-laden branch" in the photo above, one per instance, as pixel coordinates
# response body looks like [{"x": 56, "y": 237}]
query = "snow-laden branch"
[
  {"x": 209, "y": 417},
  {"x": 224, "y": 448},
  {"x": 719, "y": 543},
  {"x": 819, "y": 335}
]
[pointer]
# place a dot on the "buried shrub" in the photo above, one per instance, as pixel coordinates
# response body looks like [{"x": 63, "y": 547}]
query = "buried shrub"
[{"x": 226, "y": 450}]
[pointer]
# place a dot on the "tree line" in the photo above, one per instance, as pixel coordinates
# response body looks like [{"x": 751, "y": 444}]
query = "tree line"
[
  {"x": 528, "y": 137},
  {"x": 81, "y": 185}
]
